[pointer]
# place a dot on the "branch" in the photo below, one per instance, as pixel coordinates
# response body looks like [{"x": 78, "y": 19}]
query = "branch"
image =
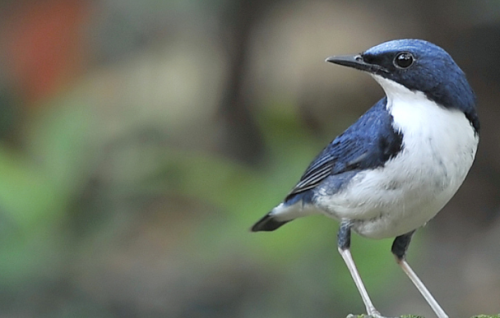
[
  {"x": 413, "y": 316},
  {"x": 404, "y": 316}
]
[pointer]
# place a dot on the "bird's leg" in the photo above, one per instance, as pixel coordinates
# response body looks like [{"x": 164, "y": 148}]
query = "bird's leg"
[
  {"x": 399, "y": 247},
  {"x": 344, "y": 243}
]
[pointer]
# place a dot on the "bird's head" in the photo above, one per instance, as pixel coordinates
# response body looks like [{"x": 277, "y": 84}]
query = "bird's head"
[{"x": 417, "y": 66}]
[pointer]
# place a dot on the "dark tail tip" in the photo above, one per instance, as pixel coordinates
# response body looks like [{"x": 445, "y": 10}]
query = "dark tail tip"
[{"x": 267, "y": 223}]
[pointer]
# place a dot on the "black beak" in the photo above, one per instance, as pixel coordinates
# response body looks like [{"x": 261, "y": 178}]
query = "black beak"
[{"x": 357, "y": 62}]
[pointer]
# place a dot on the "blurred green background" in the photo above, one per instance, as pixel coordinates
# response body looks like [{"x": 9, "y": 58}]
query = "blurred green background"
[{"x": 141, "y": 139}]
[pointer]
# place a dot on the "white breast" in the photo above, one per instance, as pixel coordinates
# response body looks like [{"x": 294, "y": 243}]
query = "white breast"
[{"x": 439, "y": 146}]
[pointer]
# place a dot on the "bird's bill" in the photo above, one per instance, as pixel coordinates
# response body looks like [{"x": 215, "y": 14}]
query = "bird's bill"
[{"x": 355, "y": 61}]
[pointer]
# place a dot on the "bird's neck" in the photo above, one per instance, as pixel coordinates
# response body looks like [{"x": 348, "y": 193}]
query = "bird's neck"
[{"x": 443, "y": 132}]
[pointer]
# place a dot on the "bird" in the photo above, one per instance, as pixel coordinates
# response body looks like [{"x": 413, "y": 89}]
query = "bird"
[{"x": 400, "y": 163}]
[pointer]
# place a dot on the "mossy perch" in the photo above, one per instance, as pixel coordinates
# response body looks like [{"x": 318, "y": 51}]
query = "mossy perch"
[
  {"x": 404, "y": 316},
  {"x": 412, "y": 316}
]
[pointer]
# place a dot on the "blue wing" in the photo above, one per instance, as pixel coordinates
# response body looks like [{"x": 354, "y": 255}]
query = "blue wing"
[{"x": 367, "y": 144}]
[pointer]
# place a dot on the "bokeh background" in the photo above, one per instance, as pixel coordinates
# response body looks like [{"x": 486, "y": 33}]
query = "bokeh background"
[{"x": 141, "y": 139}]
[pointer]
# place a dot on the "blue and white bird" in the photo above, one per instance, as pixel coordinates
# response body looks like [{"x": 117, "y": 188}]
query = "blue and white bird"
[{"x": 398, "y": 165}]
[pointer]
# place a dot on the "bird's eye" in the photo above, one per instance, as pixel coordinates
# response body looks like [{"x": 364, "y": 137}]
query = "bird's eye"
[{"x": 403, "y": 60}]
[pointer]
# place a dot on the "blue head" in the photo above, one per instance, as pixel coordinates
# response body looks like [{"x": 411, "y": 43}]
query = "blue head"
[{"x": 419, "y": 66}]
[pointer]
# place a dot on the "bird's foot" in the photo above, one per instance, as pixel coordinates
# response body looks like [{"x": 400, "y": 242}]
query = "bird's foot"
[
  {"x": 378, "y": 315},
  {"x": 373, "y": 315}
]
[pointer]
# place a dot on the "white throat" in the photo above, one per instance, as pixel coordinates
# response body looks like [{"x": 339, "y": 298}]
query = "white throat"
[
  {"x": 414, "y": 113},
  {"x": 397, "y": 92}
]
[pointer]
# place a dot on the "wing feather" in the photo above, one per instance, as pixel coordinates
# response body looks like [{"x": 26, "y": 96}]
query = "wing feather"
[{"x": 367, "y": 144}]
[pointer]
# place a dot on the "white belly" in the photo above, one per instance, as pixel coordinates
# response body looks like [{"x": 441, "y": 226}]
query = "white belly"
[{"x": 439, "y": 146}]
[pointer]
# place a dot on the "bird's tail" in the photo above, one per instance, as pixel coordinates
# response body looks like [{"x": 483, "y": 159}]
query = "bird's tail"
[{"x": 267, "y": 223}]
